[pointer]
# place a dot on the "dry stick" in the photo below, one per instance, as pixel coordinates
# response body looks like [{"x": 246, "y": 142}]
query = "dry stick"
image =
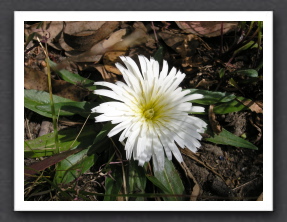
[
  {"x": 28, "y": 128},
  {"x": 196, "y": 188},
  {"x": 155, "y": 35},
  {"x": 190, "y": 154},
  {"x": 221, "y": 39}
]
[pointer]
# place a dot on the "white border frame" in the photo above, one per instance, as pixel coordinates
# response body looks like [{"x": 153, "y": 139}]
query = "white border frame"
[{"x": 265, "y": 205}]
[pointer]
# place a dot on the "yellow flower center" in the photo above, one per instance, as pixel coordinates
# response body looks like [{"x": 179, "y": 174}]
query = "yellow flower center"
[{"x": 148, "y": 114}]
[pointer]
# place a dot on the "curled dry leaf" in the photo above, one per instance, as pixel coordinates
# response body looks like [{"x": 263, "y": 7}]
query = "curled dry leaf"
[
  {"x": 216, "y": 127},
  {"x": 206, "y": 83},
  {"x": 107, "y": 76},
  {"x": 36, "y": 79},
  {"x": 83, "y": 39},
  {"x": 207, "y": 28},
  {"x": 185, "y": 45},
  {"x": 96, "y": 53}
]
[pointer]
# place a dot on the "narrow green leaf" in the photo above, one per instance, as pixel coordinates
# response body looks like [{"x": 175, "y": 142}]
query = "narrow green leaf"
[
  {"x": 170, "y": 178},
  {"x": 251, "y": 44},
  {"x": 248, "y": 72},
  {"x": 158, "y": 55},
  {"x": 221, "y": 72},
  {"x": 101, "y": 140},
  {"x": 72, "y": 77},
  {"x": 71, "y": 108},
  {"x": 73, "y": 166},
  {"x": 113, "y": 185},
  {"x": 136, "y": 179},
  {"x": 227, "y": 138},
  {"x": 45, "y": 145},
  {"x": 212, "y": 97},
  {"x": 229, "y": 107}
]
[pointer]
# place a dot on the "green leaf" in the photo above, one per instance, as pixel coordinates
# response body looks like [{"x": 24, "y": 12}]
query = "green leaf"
[
  {"x": 113, "y": 185},
  {"x": 45, "y": 145},
  {"x": 39, "y": 102},
  {"x": 170, "y": 178},
  {"x": 136, "y": 179},
  {"x": 229, "y": 107},
  {"x": 221, "y": 72},
  {"x": 101, "y": 140},
  {"x": 211, "y": 97},
  {"x": 71, "y": 108},
  {"x": 73, "y": 166},
  {"x": 159, "y": 184},
  {"x": 248, "y": 72},
  {"x": 251, "y": 44},
  {"x": 72, "y": 77},
  {"x": 34, "y": 98},
  {"x": 227, "y": 138},
  {"x": 158, "y": 55}
]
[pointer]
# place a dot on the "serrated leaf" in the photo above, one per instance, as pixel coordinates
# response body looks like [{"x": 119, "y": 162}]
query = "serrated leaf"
[
  {"x": 73, "y": 166},
  {"x": 211, "y": 97},
  {"x": 45, "y": 145},
  {"x": 170, "y": 178},
  {"x": 158, "y": 184},
  {"x": 227, "y": 138},
  {"x": 72, "y": 77}
]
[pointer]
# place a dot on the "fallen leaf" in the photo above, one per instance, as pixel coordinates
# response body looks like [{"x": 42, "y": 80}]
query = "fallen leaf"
[
  {"x": 83, "y": 38},
  {"x": 206, "y": 83},
  {"x": 216, "y": 127},
  {"x": 36, "y": 79},
  {"x": 206, "y": 28},
  {"x": 185, "y": 45},
  {"x": 253, "y": 106},
  {"x": 50, "y": 161},
  {"x": 110, "y": 59},
  {"x": 107, "y": 76}
]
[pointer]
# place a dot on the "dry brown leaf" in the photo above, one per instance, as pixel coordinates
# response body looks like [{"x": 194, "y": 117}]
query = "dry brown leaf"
[
  {"x": 36, "y": 79},
  {"x": 110, "y": 58},
  {"x": 185, "y": 45},
  {"x": 216, "y": 127},
  {"x": 51, "y": 30},
  {"x": 206, "y": 83},
  {"x": 107, "y": 76},
  {"x": 83, "y": 39},
  {"x": 253, "y": 106},
  {"x": 206, "y": 28},
  {"x": 96, "y": 52}
]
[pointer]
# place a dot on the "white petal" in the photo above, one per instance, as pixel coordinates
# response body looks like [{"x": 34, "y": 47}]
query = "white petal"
[{"x": 197, "y": 109}]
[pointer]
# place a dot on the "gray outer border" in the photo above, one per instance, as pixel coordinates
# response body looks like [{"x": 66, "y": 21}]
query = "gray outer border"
[{"x": 6, "y": 112}]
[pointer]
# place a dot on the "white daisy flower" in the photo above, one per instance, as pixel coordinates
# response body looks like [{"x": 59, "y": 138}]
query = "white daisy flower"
[{"x": 151, "y": 112}]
